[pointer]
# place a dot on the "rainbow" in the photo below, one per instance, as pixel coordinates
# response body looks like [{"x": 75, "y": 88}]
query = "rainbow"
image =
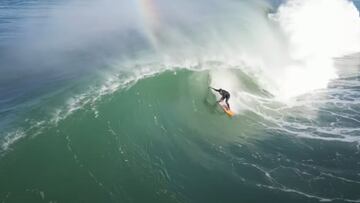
[
  {"x": 150, "y": 19},
  {"x": 148, "y": 11}
]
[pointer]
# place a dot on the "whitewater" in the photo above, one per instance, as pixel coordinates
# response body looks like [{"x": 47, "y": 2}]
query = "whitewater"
[{"x": 109, "y": 101}]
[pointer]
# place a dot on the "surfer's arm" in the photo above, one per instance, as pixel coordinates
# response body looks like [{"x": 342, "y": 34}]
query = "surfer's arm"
[{"x": 215, "y": 89}]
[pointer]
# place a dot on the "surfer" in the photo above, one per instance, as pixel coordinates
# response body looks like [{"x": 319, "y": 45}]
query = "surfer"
[{"x": 225, "y": 95}]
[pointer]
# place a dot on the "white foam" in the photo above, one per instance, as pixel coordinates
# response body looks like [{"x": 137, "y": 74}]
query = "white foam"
[
  {"x": 11, "y": 138},
  {"x": 316, "y": 31},
  {"x": 295, "y": 62},
  {"x": 111, "y": 84},
  {"x": 311, "y": 196}
]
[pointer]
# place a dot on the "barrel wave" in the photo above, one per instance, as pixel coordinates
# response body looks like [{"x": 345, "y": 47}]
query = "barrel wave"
[
  {"x": 122, "y": 110},
  {"x": 165, "y": 138}
]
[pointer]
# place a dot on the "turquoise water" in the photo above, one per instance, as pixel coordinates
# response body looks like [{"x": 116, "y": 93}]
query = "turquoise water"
[{"x": 164, "y": 140}]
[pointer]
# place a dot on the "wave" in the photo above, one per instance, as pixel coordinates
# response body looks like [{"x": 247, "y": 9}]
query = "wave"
[
  {"x": 269, "y": 63},
  {"x": 186, "y": 95},
  {"x": 151, "y": 127},
  {"x": 145, "y": 117}
]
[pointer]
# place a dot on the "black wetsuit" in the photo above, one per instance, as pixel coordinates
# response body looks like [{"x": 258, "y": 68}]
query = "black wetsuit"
[{"x": 225, "y": 95}]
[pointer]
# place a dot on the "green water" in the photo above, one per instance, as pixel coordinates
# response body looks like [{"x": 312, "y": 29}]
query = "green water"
[
  {"x": 165, "y": 140},
  {"x": 109, "y": 101}
]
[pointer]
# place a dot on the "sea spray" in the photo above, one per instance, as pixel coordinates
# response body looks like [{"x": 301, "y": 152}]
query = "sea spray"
[{"x": 316, "y": 32}]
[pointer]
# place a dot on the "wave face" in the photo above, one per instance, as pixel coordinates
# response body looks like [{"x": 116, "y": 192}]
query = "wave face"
[
  {"x": 165, "y": 140},
  {"x": 120, "y": 110}
]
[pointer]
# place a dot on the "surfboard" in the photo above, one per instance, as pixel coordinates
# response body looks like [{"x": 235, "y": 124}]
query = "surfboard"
[{"x": 227, "y": 111}]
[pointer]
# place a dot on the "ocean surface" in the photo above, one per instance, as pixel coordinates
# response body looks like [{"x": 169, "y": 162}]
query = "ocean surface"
[{"x": 109, "y": 101}]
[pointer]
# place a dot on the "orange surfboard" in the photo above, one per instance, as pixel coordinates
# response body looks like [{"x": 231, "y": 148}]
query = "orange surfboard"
[{"x": 227, "y": 111}]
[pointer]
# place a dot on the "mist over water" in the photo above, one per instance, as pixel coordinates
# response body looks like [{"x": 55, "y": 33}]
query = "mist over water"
[{"x": 283, "y": 48}]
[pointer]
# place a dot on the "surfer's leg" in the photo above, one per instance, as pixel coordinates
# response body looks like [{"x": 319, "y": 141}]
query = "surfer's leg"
[{"x": 227, "y": 103}]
